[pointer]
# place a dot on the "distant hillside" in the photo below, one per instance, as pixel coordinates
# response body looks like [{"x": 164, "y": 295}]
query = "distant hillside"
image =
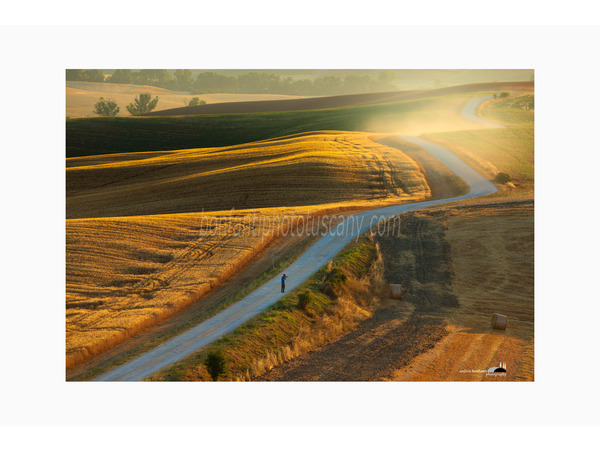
[
  {"x": 304, "y": 82},
  {"x": 410, "y": 113},
  {"x": 338, "y": 101},
  {"x": 81, "y": 96}
]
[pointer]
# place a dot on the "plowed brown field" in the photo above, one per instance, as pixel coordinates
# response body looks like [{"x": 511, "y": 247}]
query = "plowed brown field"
[
  {"x": 339, "y": 101},
  {"x": 426, "y": 337}
]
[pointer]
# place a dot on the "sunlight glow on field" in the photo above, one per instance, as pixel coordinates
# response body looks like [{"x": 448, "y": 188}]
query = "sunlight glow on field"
[{"x": 127, "y": 271}]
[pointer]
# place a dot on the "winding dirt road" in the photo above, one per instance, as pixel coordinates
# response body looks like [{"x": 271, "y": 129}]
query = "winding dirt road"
[{"x": 308, "y": 263}]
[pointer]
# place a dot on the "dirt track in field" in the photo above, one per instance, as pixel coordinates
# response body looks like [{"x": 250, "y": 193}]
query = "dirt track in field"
[{"x": 441, "y": 180}]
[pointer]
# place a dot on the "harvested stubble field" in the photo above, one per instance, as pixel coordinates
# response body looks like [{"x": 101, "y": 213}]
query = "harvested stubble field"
[
  {"x": 319, "y": 168},
  {"x": 458, "y": 266},
  {"x": 124, "y": 274},
  {"x": 129, "y": 267},
  {"x": 492, "y": 260}
]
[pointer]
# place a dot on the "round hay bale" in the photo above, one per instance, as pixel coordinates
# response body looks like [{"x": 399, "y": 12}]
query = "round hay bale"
[
  {"x": 499, "y": 322},
  {"x": 395, "y": 291}
]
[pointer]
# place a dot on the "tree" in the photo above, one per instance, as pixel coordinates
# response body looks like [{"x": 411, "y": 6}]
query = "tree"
[
  {"x": 195, "y": 101},
  {"x": 213, "y": 82},
  {"x": 216, "y": 364},
  {"x": 143, "y": 103},
  {"x": 329, "y": 85},
  {"x": 124, "y": 76},
  {"x": 386, "y": 80},
  {"x": 355, "y": 84},
  {"x": 502, "y": 177},
  {"x": 183, "y": 79},
  {"x": 106, "y": 108},
  {"x": 304, "y": 300},
  {"x": 163, "y": 77},
  {"x": 74, "y": 74},
  {"x": 95, "y": 75},
  {"x": 258, "y": 82},
  {"x": 153, "y": 77},
  {"x": 302, "y": 87}
]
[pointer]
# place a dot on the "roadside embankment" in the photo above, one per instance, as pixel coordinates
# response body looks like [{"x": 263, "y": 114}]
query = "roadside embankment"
[{"x": 334, "y": 300}]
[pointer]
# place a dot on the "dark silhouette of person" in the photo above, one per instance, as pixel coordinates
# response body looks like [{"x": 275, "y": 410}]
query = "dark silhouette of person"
[{"x": 283, "y": 282}]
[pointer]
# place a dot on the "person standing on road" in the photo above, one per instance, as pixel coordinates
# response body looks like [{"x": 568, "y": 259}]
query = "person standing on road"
[{"x": 283, "y": 282}]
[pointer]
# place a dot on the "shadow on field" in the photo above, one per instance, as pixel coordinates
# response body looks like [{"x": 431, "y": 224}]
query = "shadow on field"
[{"x": 416, "y": 256}]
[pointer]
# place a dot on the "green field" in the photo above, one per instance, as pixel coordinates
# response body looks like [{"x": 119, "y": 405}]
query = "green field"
[
  {"x": 497, "y": 150},
  {"x": 509, "y": 150},
  {"x": 517, "y": 110},
  {"x": 96, "y": 136}
]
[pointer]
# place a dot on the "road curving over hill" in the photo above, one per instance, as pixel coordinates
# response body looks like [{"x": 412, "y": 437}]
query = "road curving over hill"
[
  {"x": 307, "y": 264},
  {"x": 470, "y": 112}
]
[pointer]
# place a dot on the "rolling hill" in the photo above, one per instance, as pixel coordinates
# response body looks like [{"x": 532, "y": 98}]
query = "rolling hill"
[
  {"x": 406, "y": 113},
  {"x": 149, "y": 234},
  {"x": 338, "y": 101},
  {"x": 81, "y": 96},
  {"x": 301, "y": 170}
]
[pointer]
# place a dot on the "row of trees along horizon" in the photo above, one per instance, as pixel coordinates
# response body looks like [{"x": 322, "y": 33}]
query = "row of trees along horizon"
[{"x": 247, "y": 83}]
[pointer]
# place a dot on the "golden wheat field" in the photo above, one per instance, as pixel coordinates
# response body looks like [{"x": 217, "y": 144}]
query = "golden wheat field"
[
  {"x": 306, "y": 169},
  {"x": 81, "y": 96},
  {"x": 127, "y": 273},
  {"x": 132, "y": 262}
]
